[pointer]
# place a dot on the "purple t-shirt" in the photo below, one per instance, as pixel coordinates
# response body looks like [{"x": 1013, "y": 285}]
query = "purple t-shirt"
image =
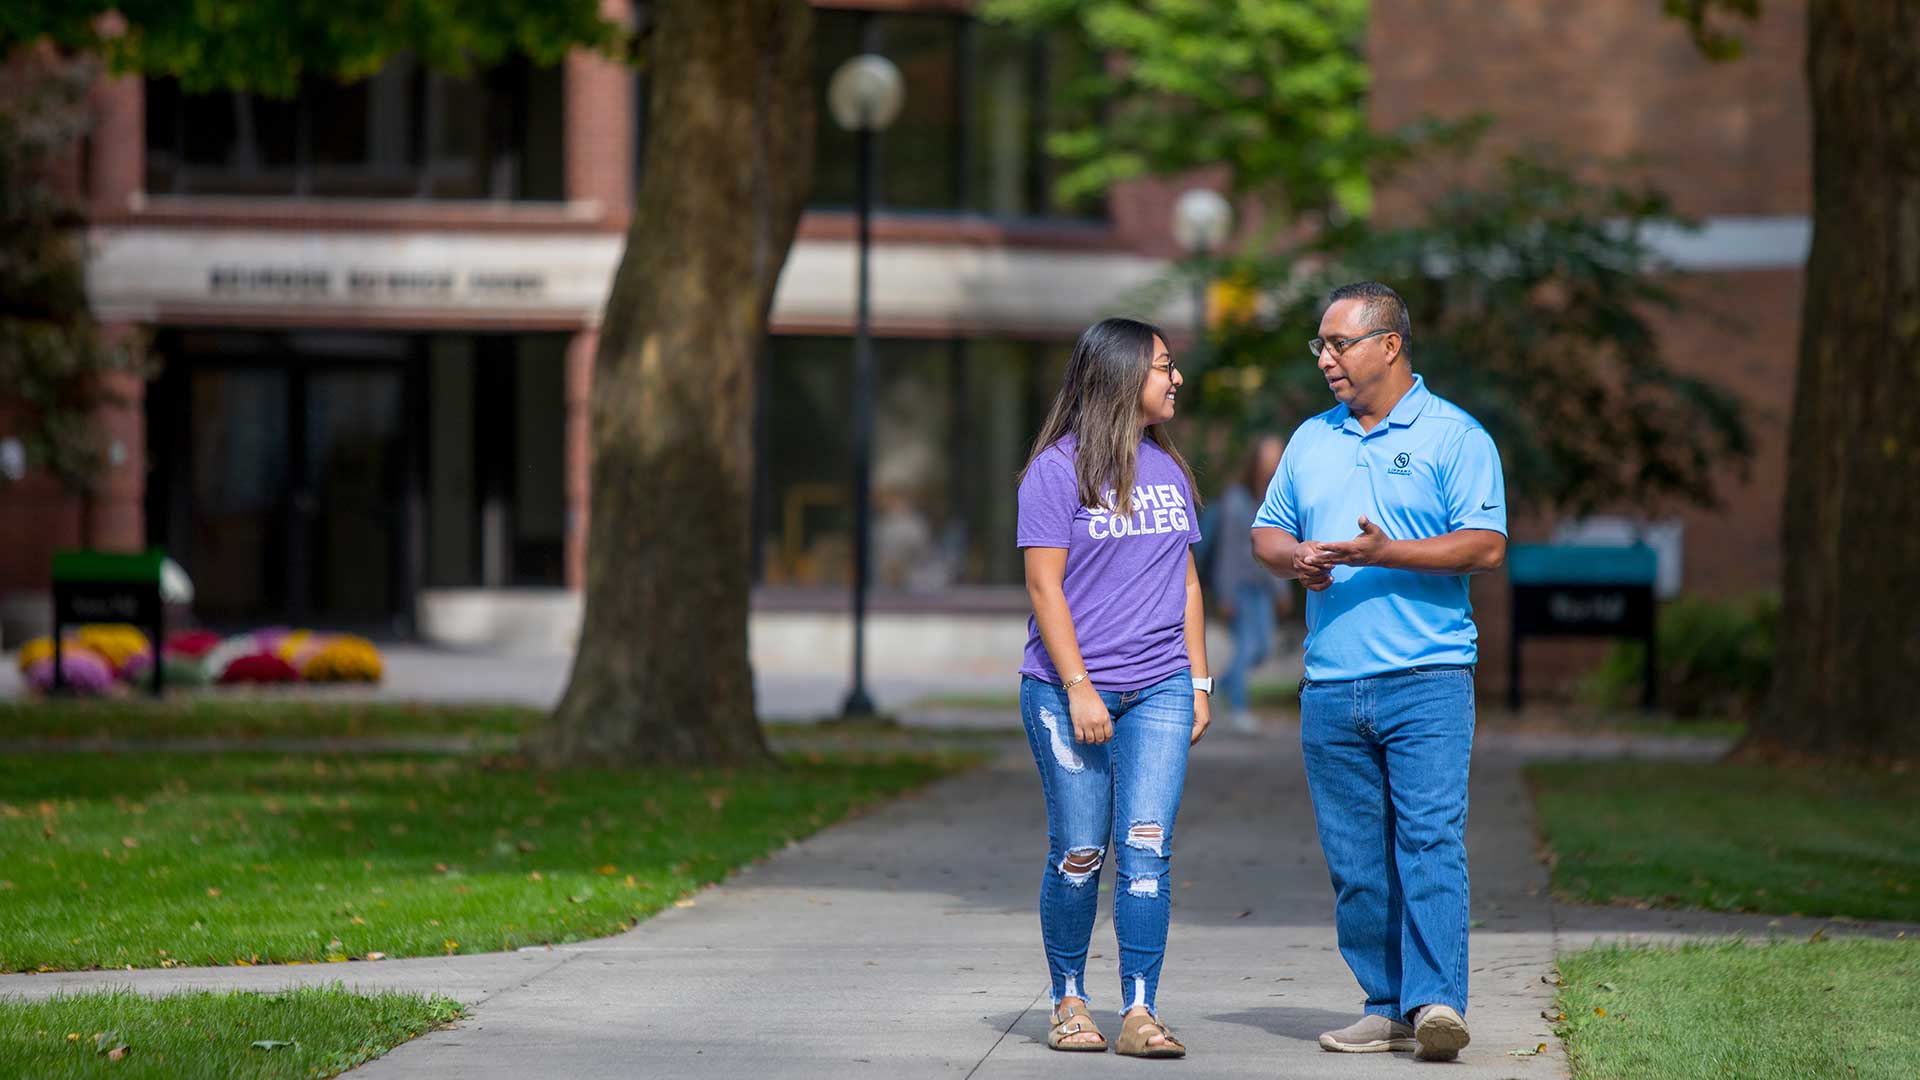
[{"x": 1126, "y": 580}]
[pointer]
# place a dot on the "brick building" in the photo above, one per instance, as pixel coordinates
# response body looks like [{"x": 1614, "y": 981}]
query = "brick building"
[
  {"x": 1732, "y": 143},
  {"x": 376, "y": 305}
]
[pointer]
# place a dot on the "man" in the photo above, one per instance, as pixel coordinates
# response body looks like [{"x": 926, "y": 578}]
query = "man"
[{"x": 1386, "y": 708}]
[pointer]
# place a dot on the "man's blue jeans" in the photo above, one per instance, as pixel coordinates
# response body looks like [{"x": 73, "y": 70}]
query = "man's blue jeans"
[
  {"x": 1387, "y": 761},
  {"x": 1121, "y": 795}
]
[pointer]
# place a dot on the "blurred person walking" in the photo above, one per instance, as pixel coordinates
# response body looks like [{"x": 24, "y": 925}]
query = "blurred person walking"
[
  {"x": 1113, "y": 687},
  {"x": 1244, "y": 591}
]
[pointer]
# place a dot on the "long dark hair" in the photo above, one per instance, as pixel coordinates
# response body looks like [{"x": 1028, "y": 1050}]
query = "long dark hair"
[{"x": 1099, "y": 404}]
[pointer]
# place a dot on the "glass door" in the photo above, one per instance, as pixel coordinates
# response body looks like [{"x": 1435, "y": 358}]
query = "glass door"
[
  {"x": 348, "y": 498},
  {"x": 238, "y": 456},
  {"x": 289, "y": 481}
]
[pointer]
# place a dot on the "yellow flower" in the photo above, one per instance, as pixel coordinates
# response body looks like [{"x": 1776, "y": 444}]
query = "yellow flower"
[
  {"x": 118, "y": 642},
  {"x": 345, "y": 658},
  {"x": 40, "y": 648},
  {"x": 291, "y": 644}
]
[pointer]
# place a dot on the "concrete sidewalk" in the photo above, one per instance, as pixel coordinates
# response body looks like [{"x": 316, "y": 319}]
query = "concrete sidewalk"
[{"x": 906, "y": 943}]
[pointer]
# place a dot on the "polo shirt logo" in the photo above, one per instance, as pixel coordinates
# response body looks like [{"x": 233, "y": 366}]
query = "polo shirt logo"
[{"x": 1401, "y": 463}]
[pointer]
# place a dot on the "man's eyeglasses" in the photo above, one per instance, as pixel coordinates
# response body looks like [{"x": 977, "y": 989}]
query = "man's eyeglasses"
[{"x": 1340, "y": 345}]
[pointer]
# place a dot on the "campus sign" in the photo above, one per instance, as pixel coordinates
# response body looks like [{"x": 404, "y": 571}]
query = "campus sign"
[
  {"x": 1568, "y": 590},
  {"x": 366, "y": 283},
  {"x": 157, "y": 274}
]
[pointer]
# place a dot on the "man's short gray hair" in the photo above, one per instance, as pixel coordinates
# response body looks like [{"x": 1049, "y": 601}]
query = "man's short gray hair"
[{"x": 1383, "y": 307}]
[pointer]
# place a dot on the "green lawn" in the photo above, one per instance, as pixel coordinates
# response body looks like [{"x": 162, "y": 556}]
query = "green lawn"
[
  {"x": 1786, "y": 1010},
  {"x": 164, "y": 859},
  {"x": 310, "y": 1032},
  {"x": 253, "y": 718},
  {"x": 1733, "y": 837}
]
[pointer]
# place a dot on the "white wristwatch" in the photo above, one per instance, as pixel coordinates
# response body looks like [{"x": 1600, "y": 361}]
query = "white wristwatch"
[{"x": 1205, "y": 685}]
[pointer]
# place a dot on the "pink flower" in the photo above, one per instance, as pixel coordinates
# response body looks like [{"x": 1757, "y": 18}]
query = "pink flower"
[{"x": 86, "y": 671}]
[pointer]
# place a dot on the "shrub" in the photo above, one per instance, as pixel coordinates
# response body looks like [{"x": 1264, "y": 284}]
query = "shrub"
[{"x": 1715, "y": 659}]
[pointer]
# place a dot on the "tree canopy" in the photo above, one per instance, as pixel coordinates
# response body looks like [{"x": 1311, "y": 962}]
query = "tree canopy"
[
  {"x": 1274, "y": 90},
  {"x": 1531, "y": 291},
  {"x": 268, "y": 47}
]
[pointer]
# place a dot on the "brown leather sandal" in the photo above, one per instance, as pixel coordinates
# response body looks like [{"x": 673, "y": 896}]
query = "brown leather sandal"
[
  {"x": 1075, "y": 1021},
  {"x": 1135, "y": 1033}
]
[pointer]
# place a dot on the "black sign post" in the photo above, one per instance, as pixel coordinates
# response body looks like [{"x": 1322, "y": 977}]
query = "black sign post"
[
  {"x": 1571, "y": 591},
  {"x": 108, "y": 587}
]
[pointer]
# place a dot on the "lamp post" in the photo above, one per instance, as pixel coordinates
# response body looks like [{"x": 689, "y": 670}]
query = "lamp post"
[
  {"x": 865, "y": 96},
  {"x": 1202, "y": 218}
]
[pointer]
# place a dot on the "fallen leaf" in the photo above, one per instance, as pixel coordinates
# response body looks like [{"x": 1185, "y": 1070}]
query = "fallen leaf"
[
  {"x": 117, "y": 1052},
  {"x": 1541, "y": 1049},
  {"x": 213, "y": 892},
  {"x": 270, "y": 1044},
  {"x": 1598, "y": 1011},
  {"x": 609, "y": 869},
  {"x": 1608, "y": 987},
  {"x": 1243, "y": 915}
]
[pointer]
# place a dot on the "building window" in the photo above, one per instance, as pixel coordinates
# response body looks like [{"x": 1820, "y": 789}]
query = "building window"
[
  {"x": 953, "y": 421},
  {"x": 404, "y": 132},
  {"x": 980, "y": 99}
]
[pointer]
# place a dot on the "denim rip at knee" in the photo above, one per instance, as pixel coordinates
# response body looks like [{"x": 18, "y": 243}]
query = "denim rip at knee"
[{"x": 1117, "y": 800}]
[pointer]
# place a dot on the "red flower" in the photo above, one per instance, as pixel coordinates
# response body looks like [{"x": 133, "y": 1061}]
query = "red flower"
[
  {"x": 258, "y": 668},
  {"x": 194, "y": 643}
]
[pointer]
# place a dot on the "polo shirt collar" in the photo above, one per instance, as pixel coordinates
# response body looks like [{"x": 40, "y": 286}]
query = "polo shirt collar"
[{"x": 1405, "y": 411}]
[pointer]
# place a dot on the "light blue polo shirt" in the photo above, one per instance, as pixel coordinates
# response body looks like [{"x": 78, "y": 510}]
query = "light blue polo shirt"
[{"x": 1428, "y": 469}]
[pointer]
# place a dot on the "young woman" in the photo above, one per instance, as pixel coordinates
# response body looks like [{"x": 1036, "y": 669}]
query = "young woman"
[{"x": 1113, "y": 687}]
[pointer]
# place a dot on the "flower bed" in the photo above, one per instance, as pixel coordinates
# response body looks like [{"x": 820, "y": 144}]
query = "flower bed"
[{"x": 101, "y": 658}]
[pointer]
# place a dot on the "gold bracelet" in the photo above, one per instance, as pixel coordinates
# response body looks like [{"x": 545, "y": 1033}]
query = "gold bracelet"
[{"x": 1076, "y": 680}]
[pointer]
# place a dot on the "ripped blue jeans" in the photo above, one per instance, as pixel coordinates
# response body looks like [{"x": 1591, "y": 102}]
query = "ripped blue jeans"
[{"x": 1119, "y": 797}]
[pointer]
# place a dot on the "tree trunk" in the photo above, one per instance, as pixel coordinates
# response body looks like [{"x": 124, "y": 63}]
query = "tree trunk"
[
  {"x": 661, "y": 673},
  {"x": 1847, "y": 672}
]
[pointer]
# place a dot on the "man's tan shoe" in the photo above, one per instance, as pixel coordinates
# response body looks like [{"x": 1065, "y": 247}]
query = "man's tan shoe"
[
  {"x": 1371, "y": 1034},
  {"x": 1441, "y": 1033}
]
